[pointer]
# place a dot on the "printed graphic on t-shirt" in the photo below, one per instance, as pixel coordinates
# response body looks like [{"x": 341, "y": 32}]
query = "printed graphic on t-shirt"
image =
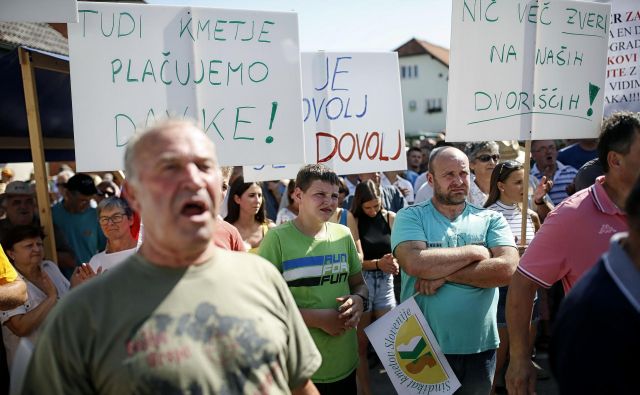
[
  {"x": 311, "y": 271},
  {"x": 167, "y": 343}
]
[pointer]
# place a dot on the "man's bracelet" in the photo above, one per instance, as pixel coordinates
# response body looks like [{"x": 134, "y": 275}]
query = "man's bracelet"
[
  {"x": 365, "y": 302},
  {"x": 376, "y": 261}
]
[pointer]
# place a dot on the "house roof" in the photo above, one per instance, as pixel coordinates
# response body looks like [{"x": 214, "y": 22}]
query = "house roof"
[
  {"x": 420, "y": 47},
  {"x": 34, "y": 35}
]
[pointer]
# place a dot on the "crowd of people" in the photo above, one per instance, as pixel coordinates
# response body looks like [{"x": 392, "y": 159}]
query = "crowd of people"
[{"x": 191, "y": 280}]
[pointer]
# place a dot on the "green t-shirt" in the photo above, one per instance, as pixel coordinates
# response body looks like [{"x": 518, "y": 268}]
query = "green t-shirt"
[
  {"x": 228, "y": 326},
  {"x": 317, "y": 271},
  {"x": 462, "y": 317}
]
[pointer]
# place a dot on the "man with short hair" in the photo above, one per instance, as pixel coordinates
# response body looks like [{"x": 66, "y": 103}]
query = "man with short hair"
[
  {"x": 545, "y": 154},
  {"x": 572, "y": 238},
  {"x": 180, "y": 316},
  {"x": 456, "y": 255},
  {"x": 320, "y": 263},
  {"x": 414, "y": 162},
  {"x": 606, "y": 301},
  {"x": 77, "y": 221}
]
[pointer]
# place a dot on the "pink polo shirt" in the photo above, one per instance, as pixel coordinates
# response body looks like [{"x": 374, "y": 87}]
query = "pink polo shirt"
[{"x": 573, "y": 237}]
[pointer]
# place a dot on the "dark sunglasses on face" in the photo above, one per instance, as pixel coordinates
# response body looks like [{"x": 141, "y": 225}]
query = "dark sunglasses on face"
[{"x": 487, "y": 158}]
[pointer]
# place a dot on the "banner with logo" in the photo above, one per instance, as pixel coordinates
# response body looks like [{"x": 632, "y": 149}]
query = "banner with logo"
[{"x": 410, "y": 353}]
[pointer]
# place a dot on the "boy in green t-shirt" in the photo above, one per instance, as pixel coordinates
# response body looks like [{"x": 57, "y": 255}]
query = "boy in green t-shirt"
[{"x": 319, "y": 261}]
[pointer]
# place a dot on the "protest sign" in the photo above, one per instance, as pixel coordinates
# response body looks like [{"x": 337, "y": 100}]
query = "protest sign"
[
  {"x": 39, "y": 11},
  {"x": 622, "y": 90},
  {"x": 235, "y": 72},
  {"x": 352, "y": 109},
  {"x": 257, "y": 173},
  {"x": 526, "y": 70},
  {"x": 410, "y": 353}
]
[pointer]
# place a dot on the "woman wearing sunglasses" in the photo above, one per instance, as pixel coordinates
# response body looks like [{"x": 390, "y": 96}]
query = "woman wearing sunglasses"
[
  {"x": 505, "y": 196},
  {"x": 483, "y": 158}
]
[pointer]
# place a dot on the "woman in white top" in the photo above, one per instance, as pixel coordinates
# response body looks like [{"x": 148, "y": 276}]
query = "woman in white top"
[
  {"x": 116, "y": 218},
  {"x": 483, "y": 158},
  {"x": 505, "y": 196},
  {"x": 45, "y": 285}
]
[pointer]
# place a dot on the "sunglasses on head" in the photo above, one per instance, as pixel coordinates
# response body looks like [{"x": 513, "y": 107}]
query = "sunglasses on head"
[
  {"x": 510, "y": 164},
  {"x": 487, "y": 158}
]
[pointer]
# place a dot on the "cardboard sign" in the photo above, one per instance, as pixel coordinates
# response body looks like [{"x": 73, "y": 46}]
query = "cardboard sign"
[
  {"x": 622, "y": 90},
  {"x": 526, "y": 70},
  {"x": 410, "y": 353},
  {"x": 39, "y": 11},
  {"x": 236, "y": 73},
  {"x": 352, "y": 109}
]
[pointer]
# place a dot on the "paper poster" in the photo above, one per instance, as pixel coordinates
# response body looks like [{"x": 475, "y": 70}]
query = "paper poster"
[
  {"x": 39, "y": 11},
  {"x": 524, "y": 70},
  {"x": 410, "y": 353},
  {"x": 352, "y": 111},
  {"x": 236, "y": 73},
  {"x": 622, "y": 90}
]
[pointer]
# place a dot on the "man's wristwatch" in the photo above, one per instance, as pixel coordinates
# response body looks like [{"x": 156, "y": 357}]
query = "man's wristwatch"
[{"x": 365, "y": 302}]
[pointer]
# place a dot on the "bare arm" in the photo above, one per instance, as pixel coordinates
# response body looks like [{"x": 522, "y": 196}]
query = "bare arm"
[
  {"x": 352, "y": 224},
  {"x": 307, "y": 388},
  {"x": 520, "y": 374},
  {"x": 24, "y": 324},
  {"x": 435, "y": 263},
  {"x": 13, "y": 294},
  {"x": 489, "y": 273}
]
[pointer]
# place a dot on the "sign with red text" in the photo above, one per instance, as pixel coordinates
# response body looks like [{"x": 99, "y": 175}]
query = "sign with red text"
[
  {"x": 352, "y": 111},
  {"x": 236, "y": 73},
  {"x": 527, "y": 70},
  {"x": 410, "y": 353},
  {"x": 622, "y": 90},
  {"x": 39, "y": 11}
]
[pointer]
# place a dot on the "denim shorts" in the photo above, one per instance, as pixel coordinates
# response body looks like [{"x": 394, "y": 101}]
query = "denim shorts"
[
  {"x": 380, "y": 284},
  {"x": 475, "y": 371}
]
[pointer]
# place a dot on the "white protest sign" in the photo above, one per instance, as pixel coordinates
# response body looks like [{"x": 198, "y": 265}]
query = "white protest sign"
[
  {"x": 236, "y": 73},
  {"x": 622, "y": 90},
  {"x": 352, "y": 108},
  {"x": 526, "y": 66},
  {"x": 38, "y": 11},
  {"x": 256, "y": 173},
  {"x": 410, "y": 353}
]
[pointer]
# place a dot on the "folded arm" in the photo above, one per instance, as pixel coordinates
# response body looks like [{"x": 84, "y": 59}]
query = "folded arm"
[
  {"x": 435, "y": 263},
  {"x": 489, "y": 273}
]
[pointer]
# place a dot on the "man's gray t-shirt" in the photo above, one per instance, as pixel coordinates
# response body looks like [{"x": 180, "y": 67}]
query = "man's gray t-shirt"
[{"x": 228, "y": 326}]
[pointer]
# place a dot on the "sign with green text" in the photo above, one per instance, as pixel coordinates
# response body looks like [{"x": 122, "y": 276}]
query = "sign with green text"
[
  {"x": 527, "y": 70},
  {"x": 236, "y": 73}
]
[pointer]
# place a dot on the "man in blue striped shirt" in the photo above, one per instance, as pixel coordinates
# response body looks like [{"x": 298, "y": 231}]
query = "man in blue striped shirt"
[{"x": 547, "y": 167}]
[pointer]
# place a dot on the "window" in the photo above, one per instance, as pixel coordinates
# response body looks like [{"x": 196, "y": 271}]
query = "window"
[
  {"x": 433, "y": 105},
  {"x": 403, "y": 72},
  {"x": 412, "y": 105},
  {"x": 415, "y": 71}
]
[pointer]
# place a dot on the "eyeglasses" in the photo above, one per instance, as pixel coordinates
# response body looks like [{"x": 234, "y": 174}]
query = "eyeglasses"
[
  {"x": 510, "y": 164},
  {"x": 487, "y": 158},
  {"x": 115, "y": 218}
]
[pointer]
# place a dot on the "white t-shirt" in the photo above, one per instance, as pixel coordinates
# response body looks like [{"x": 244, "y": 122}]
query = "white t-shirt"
[
  {"x": 424, "y": 193},
  {"x": 476, "y": 196},
  {"x": 111, "y": 260},
  {"x": 36, "y": 296},
  {"x": 401, "y": 184},
  {"x": 285, "y": 215}
]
